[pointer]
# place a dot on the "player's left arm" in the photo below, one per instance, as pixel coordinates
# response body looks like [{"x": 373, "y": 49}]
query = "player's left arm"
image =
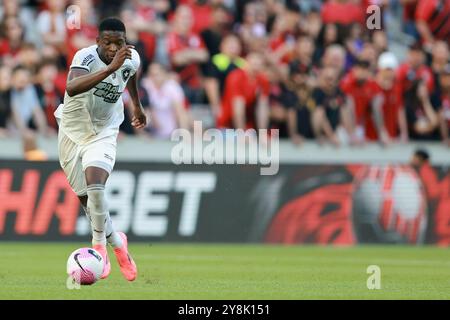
[{"x": 139, "y": 119}]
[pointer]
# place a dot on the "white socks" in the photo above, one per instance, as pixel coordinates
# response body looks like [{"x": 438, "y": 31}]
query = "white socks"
[
  {"x": 98, "y": 211},
  {"x": 101, "y": 223}
]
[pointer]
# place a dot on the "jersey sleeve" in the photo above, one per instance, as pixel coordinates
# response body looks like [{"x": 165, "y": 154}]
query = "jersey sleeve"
[
  {"x": 135, "y": 61},
  {"x": 82, "y": 60}
]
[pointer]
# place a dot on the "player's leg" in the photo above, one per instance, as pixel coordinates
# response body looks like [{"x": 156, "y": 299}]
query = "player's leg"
[
  {"x": 98, "y": 161},
  {"x": 97, "y": 211},
  {"x": 112, "y": 237}
]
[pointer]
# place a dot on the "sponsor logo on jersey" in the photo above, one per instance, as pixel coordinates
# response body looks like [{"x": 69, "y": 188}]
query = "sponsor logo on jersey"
[
  {"x": 109, "y": 92},
  {"x": 88, "y": 60}
]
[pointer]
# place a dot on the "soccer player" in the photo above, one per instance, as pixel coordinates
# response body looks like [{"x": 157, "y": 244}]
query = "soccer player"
[{"x": 89, "y": 123}]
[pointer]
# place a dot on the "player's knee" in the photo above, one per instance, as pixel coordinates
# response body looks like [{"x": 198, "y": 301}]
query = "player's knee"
[{"x": 96, "y": 199}]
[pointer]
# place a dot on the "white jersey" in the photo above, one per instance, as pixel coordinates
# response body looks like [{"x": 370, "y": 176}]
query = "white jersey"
[{"x": 96, "y": 113}]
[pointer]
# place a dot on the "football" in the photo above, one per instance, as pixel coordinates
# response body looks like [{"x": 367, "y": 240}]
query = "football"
[{"x": 85, "y": 266}]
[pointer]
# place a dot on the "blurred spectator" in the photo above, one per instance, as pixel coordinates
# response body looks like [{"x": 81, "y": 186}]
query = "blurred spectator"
[
  {"x": 28, "y": 56},
  {"x": 302, "y": 62},
  {"x": 167, "y": 109},
  {"x": 108, "y": 8},
  {"x": 13, "y": 8},
  {"x": 126, "y": 127},
  {"x": 380, "y": 41},
  {"x": 354, "y": 43},
  {"x": 186, "y": 50},
  {"x": 409, "y": 16},
  {"x": 11, "y": 41},
  {"x": 419, "y": 158},
  {"x": 343, "y": 12},
  {"x": 253, "y": 30},
  {"x": 433, "y": 21},
  {"x": 49, "y": 96},
  {"x": 219, "y": 27},
  {"x": 440, "y": 59},
  {"x": 331, "y": 116},
  {"x": 86, "y": 34},
  {"x": 311, "y": 24},
  {"x": 369, "y": 54},
  {"x": 298, "y": 99},
  {"x": 422, "y": 118},
  {"x": 284, "y": 33},
  {"x": 148, "y": 18},
  {"x": 445, "y": 105},
  {"x": 220, "y": 67},
  {"x": 414, "y": 70},
  {"x": 278, "y": 104},
  {"x": 365, "y": 102},
  {"x": 51, "y": 24},
  {"x": 245, "y": 99},
  {"x": 5, "y": 100},
  {"x": 328, "y": 36},
  {"x": 202, "y": 13},
  {"x": 26, "y": 110},
  {"x": 133, "y": 38},
  {"x": 334, "y": 57},
  {"x": 393, "y": 109}
]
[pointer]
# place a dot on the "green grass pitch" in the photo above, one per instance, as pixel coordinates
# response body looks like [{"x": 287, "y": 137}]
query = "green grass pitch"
[{"x": 214, "y": 271}]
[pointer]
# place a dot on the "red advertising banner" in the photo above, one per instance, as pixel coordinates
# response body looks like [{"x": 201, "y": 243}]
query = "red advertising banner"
[{"x": 302, "y": 204}]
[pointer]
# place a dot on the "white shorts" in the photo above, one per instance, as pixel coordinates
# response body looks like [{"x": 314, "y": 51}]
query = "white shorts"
[{"x": 74, "y": 159}]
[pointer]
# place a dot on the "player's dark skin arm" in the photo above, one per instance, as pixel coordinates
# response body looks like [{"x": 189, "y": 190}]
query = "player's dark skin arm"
[
  {"x": 80, "y": 80},
  {"x": 139, "y": 119}
]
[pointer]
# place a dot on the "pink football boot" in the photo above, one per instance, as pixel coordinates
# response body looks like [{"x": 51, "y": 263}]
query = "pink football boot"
[
  {"x": 126, "y": 263},
  {"x": 107, "y": 264}
]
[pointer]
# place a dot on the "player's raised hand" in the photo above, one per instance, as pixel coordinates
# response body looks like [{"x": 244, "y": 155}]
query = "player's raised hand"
[
  {"x": 119, "y": 58},
  {"x": 139, "y": 119}
]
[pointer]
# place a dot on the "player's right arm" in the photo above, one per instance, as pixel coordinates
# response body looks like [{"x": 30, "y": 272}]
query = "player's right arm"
[{"x": 81, "y": 80}]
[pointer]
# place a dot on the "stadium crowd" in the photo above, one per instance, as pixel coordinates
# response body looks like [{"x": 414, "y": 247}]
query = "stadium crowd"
[{"x": 312, "y": 69}]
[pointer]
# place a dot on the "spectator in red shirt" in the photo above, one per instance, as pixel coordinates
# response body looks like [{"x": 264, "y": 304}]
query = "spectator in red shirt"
[
  {"x": 366, "y": 103},
  {"x": 202, "y": 12},
  {"x": 343, "y": 12},
  {"x": 284, "y": 33},
  {"x": 393, "y": 111},
  {"x": 245, "y": 100},
  {"x": 433, "y": 21},
  {"x": 186, "y": 52},
  {"x": 148, "y": 18}
]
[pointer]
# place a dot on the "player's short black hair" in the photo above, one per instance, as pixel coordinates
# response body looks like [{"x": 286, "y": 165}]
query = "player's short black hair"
[
  {"x": 422, "y": 154},
  {"x": 111, "y": 24}
]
